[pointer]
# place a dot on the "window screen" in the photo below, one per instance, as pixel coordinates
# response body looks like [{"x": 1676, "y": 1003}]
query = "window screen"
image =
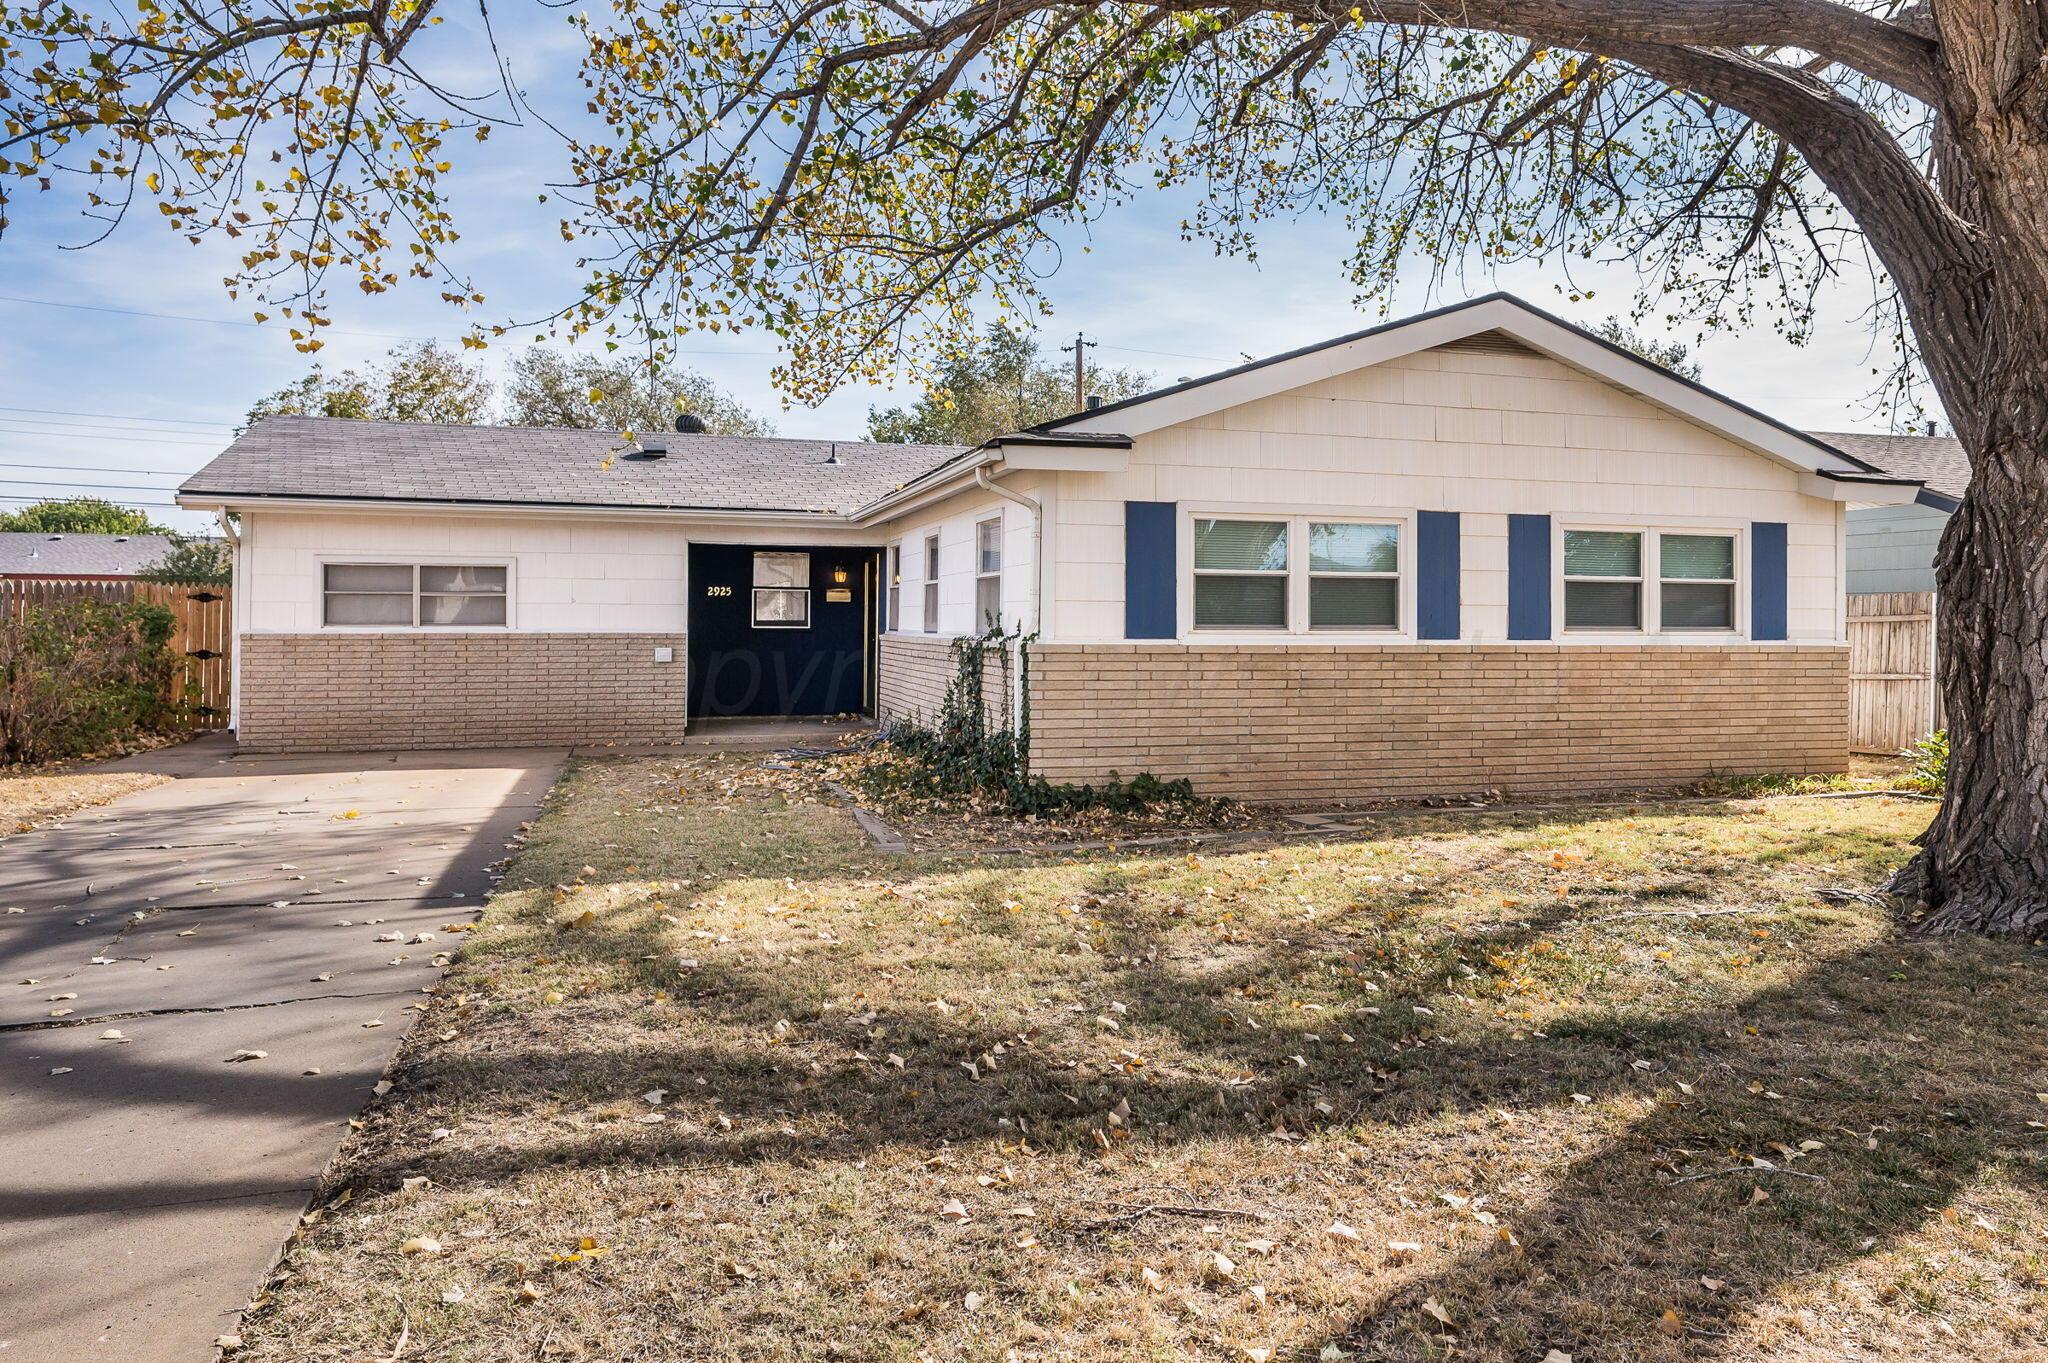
[
  {"x": 402, "y": 594},
  {"x": 1698, "y": 581},
  {"x": 1240, "y": 574},
  {"x": 1354, "y": 576},
  {"x": 931, "y": 584},
  {"x": 782, "y": 595},
  {"x": 1603, "y": 587},
  {"x": 988, "y": 574}
]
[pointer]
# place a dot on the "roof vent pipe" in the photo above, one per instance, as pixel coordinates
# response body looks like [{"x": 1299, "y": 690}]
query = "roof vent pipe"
[
  {"x": 1094, "y": 401},
  {"x": 833, "y": 456},
  {"x": 689, "y": 423}
]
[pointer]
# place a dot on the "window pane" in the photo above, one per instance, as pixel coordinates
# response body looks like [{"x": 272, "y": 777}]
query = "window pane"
[
  {"x": 446, "y": 579},
  {"x": 895, "y": 620},
  {"x": 931, "y": 558},
  {"x": 931, "y": 608},
  {"x": 782, "y": 570},
  {"x": 988, "y": 601},
  {"x": 1603, "y": 553},
  {"x": 1243, "y": 602},
  {"x": 1697, "y": 556},
  {"x": 1699, "y": 605},
  {"x": 1353, "y": 548},
  {"x": 1602, "y": 605},
  {"x": 988, "y": 546},
  {"x": 462, "y": 610},
  {"x": 371, "y": 577},
  {"x": 781, "y": 606},
  {"x": 1243, "y": 546},
  {"x": 349, "y": 608},
  {"x": 1353, "y": 603}
]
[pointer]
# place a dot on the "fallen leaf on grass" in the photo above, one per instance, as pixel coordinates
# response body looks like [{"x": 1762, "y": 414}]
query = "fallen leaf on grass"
[
  {"x": 1152, "y": 1279},
  {"x": 1671, "y": 1323},
  {"x": 421, "y": 1244},
  {"x": 1432, "y": 1308},
  {"x": 1339, "y": 1231},
  {"x": 1404, "y": 1249},
  {"x": 956, "y": 1212}
]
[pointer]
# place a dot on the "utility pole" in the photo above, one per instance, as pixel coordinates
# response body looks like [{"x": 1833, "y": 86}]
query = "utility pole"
[{"x": 1080, "y": 348}]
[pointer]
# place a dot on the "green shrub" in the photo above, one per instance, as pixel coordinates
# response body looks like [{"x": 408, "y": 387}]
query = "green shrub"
[
  {"x": 1927, "y": 763},
  {"x": 79, "y": 675}
]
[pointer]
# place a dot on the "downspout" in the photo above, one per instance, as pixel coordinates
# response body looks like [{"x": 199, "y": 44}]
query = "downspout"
[
  {"x": 236, "y": 605},
  {"x": 987, "y": 484}
]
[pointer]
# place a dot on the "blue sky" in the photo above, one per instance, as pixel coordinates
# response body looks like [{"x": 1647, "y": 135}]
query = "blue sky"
[{"x": 95, "y": 396}]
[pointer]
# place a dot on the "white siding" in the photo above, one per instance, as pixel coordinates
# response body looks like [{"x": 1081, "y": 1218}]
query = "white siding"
[
  {"x": 572, "y": 574},
  {"x": 1478, "y": 432},
  {"x": 954, "y": 519}
]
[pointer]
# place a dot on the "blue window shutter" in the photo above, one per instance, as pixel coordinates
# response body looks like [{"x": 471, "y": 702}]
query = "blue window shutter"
[
  {"x": 1151, "y": 569},
  {"x": 1528, "y": 577},
  {"x": 1436, "y": 575},
  {"x": 1767, "y": 580}
]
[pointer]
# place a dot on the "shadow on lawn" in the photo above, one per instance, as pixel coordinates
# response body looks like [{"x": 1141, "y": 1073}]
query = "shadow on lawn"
[{"x": 1923, "y": 1048}]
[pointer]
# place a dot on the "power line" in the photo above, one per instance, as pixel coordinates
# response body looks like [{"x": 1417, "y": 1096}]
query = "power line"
[
  {"x": 117, "y": 416},
  {"x": 123, "y": 501},
  {"x": 89, "y": 487},
  {"x": 209, "y": 321},
  {"x": 138, "y": 429},
  {"x": 168, "y": 473},
  {"x": 126, "y": 439}
]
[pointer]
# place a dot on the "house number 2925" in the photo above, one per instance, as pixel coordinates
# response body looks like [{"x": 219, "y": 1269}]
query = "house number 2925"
[{"x": 718, "y": 591}]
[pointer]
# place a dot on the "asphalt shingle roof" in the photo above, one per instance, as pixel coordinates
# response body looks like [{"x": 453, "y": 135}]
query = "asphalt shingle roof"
[
  {"x": 408, "y": 461},
  {"x": 35, "y": 553},
  {"x": 1936, "y": 460}
]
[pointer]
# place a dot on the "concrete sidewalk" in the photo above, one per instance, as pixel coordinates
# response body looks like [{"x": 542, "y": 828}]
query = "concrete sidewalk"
[{"x": 271, "y": 904}]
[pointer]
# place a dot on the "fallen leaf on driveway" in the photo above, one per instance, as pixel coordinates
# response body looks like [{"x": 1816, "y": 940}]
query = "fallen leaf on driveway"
[
  {"x": 112, "y": 1034},
  {"x": 61, "y": 1069},
  {"x": 239, "y": 1056}
]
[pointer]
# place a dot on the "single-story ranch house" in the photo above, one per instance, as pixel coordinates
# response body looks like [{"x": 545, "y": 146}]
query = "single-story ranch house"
[{"x": 1475, "y": 549}]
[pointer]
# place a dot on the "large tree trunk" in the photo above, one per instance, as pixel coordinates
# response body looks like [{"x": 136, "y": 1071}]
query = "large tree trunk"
[{"x": 1984, "y": 867}]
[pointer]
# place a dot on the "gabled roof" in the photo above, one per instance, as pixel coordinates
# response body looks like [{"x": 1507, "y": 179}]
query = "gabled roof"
[
  {"x": 38, "y": 554},
  {"x": 1937, "y": 460},
  {"x": 1496, "y": 312},
  {"x": 326, "y": 459}
]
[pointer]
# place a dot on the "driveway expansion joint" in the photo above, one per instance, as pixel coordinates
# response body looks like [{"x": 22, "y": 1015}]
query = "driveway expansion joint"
[{"x": 56, "y": 1024}]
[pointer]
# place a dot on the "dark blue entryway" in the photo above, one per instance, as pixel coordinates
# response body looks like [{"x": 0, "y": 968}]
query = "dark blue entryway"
[{"x": 781, "y": 648}]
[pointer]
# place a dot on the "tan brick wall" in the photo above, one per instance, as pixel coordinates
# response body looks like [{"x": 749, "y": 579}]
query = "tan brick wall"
[
  {"x": 1268, "y": 723},
  {"x": 916, "y": 673},
  {"x": 332, "y": 692}
]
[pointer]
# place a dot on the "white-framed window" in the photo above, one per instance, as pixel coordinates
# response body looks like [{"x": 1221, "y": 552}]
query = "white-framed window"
[
  {"x": 1241, "y": 570},
  {"x": 1695, "y": 581},
  {"x": 1354, "y": 575},
  {"x": 782, "y": 591},
  {"x": 414, "y": 595},
  {"x": 931, "y": 584},
  {"x": 1623, "y": 579},
  {"x": 1297, "y": 574},
  {"x": 1603, "y": 580},
  {"x": 894, "y": 567},
  {"x": 988, "y": 573}
]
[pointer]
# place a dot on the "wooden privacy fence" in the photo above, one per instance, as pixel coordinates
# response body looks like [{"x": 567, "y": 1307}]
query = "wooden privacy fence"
[
  {"x": 202, "y": 639},
  {"x": 1893, "y": 697}
]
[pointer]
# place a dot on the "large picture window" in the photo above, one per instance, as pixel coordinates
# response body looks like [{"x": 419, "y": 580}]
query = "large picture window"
[
  {"x": 1603, "y": 579},
  {"x": 406, "y": 595},
  {"x": 1240, "y": 574},
  {"x": 782, "y": 591}
]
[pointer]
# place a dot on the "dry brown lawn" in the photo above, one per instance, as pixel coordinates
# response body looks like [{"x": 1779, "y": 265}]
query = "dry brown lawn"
[
  {"x": 714, "y": 1081},
  {"x": 33, "y": 796}
]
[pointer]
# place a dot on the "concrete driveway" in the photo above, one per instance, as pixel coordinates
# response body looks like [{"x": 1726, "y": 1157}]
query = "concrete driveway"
[{"x": 147, "y": 1181}]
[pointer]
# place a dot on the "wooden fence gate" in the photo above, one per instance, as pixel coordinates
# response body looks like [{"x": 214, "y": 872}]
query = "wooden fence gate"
[
  {"x": 1893, "y": 697},
  {"x": 202, "y": 639}
]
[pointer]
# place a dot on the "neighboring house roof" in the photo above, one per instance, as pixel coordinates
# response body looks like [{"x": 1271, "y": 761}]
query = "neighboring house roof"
[
  {"x": 26, "y": 553},
  {"x": 318, "y": 458},
  {"x": 1937, "y": 460},
  {"x": 1495, "y": 313}
]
